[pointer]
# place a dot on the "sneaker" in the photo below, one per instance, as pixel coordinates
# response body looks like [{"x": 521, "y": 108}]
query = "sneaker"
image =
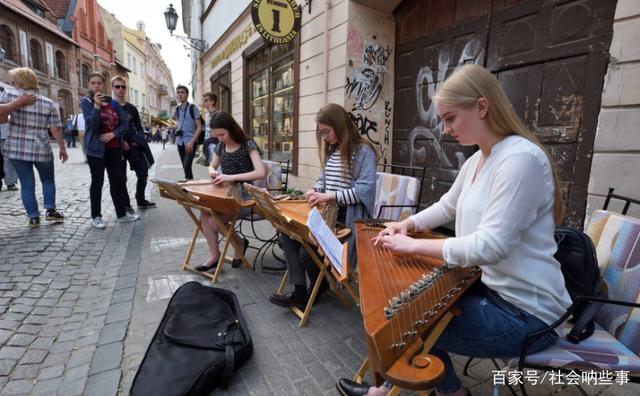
[
  {"x": 54, "y": 215},
  {"x": 98, "y": 223},
  {"x": 34, "y": 222},
  {"x": 12, "y": 187},
  {"x": 130, "y": 210},
  {"x": 146, "y": 204},
  {"x": 129, "y": 217}
]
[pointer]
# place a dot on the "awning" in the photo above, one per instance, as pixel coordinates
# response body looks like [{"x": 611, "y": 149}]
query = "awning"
[{"x": 166, "y": 123}]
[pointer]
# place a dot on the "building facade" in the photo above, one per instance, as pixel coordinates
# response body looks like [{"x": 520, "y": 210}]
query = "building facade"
[
  {"x": 562, "y": 64},
  {"x": 114, "y": 27},
  {"x": 134, "y": 40},
  {"x": 159, "y": 82},
  {"x": 96, "y": 49},
  {"x": 30, "y": 37}
]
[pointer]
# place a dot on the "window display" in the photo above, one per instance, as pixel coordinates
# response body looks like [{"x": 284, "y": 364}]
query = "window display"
[{"x": 271, "y": 106}]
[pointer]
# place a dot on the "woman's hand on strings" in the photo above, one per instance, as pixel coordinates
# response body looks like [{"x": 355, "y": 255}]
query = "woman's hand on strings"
[
  {"x": 309, "y": 192},
  {"x": 317, "y": 198},
  {"x": 393, "y": 228},
  {"x": 222, "y": 178},
  {"x": 213, "y": 173},
  {"x": 399, "y": 243}
]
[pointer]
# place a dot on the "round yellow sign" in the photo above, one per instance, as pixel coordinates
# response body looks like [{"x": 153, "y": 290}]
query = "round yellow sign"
[{"x": 278, "y": 21}]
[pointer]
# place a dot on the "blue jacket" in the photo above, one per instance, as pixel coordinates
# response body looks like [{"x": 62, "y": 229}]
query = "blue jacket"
[{"x": 92, "y": 123}]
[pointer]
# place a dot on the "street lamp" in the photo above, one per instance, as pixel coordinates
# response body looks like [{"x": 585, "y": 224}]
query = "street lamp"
[{"x": 171, "y": 17}]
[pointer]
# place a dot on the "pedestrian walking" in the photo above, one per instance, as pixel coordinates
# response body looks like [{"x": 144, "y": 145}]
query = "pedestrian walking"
[
  {"x": 136, "y": 148},
  {"x": 27, "y": 143},
  {"x": 71, "y": 130},
  {"x": 105, "y": 125},
  {"x": 189, "y": 129}
]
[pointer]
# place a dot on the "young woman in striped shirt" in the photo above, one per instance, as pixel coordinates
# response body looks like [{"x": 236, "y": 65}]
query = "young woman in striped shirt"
[{"x": 348, "y": 178}]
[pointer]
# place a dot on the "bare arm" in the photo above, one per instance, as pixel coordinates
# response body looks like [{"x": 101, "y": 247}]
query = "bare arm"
[{"x": 20, "y": 101}]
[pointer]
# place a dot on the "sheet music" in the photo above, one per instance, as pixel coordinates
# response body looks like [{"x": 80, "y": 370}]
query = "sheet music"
[{"x": 328, "y": 242}]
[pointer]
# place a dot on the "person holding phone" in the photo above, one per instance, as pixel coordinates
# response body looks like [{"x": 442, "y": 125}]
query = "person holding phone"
[{"x": 106, "y": 124}]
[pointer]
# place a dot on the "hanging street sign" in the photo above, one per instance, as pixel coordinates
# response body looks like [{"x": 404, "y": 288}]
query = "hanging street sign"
[{"x": 278, "y": 21}]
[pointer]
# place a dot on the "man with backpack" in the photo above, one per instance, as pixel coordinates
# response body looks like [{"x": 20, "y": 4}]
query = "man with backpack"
[{"x": 189, "y": 130}]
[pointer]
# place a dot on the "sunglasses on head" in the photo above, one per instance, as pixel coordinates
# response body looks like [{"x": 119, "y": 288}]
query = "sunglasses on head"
[{"x": 120, "y": 86}]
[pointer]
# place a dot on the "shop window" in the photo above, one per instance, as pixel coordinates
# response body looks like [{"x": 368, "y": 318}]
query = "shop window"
[
  {"x": 221, "y": 86},
  {"x": 272, "y": 104}
]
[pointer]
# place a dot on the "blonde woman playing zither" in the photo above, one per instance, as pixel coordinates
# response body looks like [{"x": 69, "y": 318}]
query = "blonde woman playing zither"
[{"x": 505, "y": 202}]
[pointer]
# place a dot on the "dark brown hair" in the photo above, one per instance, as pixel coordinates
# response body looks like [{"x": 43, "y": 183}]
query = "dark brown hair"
[
  {"x": 224, "y": 120},
  {"x": 211, "y": 96},
  {"x": 349, "y": 137}
]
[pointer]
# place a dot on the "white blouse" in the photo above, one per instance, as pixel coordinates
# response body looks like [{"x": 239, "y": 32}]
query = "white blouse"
[{"x": 504, "y": 224}]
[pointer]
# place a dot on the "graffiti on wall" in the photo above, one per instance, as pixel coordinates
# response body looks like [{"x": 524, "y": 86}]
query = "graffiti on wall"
[
  {"x": 430, "y": 126},
  {"x": 365, "y": 86},
  {"x": 366, "y": 94}
]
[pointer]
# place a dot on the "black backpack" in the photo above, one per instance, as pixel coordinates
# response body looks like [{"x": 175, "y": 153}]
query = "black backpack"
[
  {"x": 201, "y": 340},
  {"x": 579, "y": 265}
]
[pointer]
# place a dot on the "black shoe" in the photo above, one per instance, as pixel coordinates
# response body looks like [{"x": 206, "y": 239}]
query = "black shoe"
[
  {"x": 205, "y": 268},
  {"x": 235, "y": 263},
  {"x": 54, "y": 215},
  {"x": 34, "y": 222},
  {"x": 12, "y": 187},
  {"x": 347, "y": 387},
  {"x": 146, "y": 204},
  {"x": 289, "y": 300},
  {"x": 129, "y": 210}
]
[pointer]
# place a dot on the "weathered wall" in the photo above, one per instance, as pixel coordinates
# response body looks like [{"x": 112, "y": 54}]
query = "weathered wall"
[
  {"x": 370, "y": 70},
  {"x": 616, "y": 157}
]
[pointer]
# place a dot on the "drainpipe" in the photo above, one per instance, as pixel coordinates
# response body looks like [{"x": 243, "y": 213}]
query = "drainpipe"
[{"x": 327, "y": 4}]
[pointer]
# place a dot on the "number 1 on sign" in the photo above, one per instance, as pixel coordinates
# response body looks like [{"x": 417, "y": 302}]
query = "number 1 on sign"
[{"x": 276, "y": 20}]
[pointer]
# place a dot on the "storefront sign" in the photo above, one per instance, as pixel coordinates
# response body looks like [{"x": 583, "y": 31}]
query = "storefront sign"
[
  {"x": 278, "y": 21},
  {"x": 235, "y": 44}
]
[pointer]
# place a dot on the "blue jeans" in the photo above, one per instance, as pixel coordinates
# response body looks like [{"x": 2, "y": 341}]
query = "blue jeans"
[
  {"x": 24, "y": 169},
  {"x": 489, "y": 327}
]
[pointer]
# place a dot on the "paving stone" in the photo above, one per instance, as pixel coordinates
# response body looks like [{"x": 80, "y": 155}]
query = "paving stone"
[
  {"x": 105, "y": 383},
  {"x": 113, "y": 332},
  {"x": 21, "y": 339},
  {"x": 106, "y": 357},
  {"x": 72, "y": 388},
  {"x": 17, "y": 387},
  {"x": 12, "y": 353},
  {"x": 6, "y": 365},
  {"x": 33, "y": 356},
  {"x": 119, "y": 312},
  {"x": 25, "y": 371},
  {"x": 46, "y": 387},
  {"x": 51, "y": 372},
  {"x": 76, "y": 373}
]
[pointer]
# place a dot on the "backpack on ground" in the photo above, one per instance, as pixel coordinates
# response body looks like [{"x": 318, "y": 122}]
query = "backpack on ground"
[
  {"x": 579, "y": 265},
  {"x": 201, "y": 340}
]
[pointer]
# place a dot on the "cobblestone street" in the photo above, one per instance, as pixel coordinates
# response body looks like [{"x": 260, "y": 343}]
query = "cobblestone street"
[{"x": 78, "y": 306}]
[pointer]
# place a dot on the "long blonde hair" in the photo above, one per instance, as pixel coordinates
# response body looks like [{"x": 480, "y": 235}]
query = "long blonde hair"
[
  {"x": 347, "y": 133},
  {"x": 471, "y": 82}
]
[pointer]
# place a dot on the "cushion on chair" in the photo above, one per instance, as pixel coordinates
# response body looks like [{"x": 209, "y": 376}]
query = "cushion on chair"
[
  {"x": 618, "y": 250},
  {"x": 394, "y": 189},
  {"x": 273, "y": 180},
  {"x": 600, "y": 351}
]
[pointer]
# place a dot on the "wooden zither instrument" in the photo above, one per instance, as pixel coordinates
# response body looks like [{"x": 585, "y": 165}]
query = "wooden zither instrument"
[{"x": 406, "y": 302}]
